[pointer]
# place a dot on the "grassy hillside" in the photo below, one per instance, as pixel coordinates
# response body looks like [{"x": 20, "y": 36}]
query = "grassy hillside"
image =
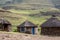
[{"x": 17, "y": 17}]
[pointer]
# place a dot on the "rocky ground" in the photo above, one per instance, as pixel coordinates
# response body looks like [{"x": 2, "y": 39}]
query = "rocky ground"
[{"x": 22, "y": 36}]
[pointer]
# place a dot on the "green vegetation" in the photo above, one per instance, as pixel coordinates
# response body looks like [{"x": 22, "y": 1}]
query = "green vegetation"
[
  {"x": 24, "y": 11},
  {"x": 16, "y": 17},
  {"x": 19, "y": 14}
]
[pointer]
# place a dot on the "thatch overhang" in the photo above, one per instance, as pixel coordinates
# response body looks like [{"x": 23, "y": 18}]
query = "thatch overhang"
[{"x": 52, "y": 22}]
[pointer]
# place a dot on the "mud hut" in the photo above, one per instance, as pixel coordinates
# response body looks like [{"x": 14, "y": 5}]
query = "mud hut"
[
  {"x": 27, "y": 27},
  {"x": 5, "y": 25},
  {"x": 51, "y": 26}
]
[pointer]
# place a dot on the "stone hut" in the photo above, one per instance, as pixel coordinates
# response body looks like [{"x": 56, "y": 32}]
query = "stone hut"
[
  {"x": 27, "y": 27},
  {"x": 5, "y": 25},
  {"x": 51, "y": 26}
]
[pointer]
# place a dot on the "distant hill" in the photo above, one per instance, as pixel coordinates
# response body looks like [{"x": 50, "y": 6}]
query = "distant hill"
[{"x": 32, "y": 3}]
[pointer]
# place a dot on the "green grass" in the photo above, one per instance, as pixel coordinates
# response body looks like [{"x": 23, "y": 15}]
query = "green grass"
[
  {"x": 16, "y": 18},
  {"x": 24, "y": 11}
]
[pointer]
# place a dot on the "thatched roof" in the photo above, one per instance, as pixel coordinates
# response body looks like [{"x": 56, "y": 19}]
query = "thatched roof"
[
  {"x": 3, "y": 21},
  {"x": 27, "y": 24},
  {"x": 52, "y": 22}
]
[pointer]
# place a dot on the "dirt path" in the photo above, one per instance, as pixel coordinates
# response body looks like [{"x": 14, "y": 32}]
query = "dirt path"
[{"x": 21, "y": 36}]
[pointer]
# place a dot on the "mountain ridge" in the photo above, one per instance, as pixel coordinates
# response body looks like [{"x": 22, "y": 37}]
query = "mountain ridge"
[{"x": 34, "y": 3}]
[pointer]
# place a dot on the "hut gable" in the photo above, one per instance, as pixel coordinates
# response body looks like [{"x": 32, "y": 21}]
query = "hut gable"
[
  {"x": 27, "y": 24},
  {"x": 52, "y": 22}
]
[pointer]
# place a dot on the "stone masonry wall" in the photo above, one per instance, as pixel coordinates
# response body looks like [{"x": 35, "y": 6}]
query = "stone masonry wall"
[{"x": 50, "y": 31}]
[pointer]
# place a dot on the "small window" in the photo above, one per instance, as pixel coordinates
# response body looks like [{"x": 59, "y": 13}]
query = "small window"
[{"x": 22, "y": 29}]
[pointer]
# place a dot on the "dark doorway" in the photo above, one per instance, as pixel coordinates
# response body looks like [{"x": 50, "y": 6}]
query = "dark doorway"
[{"x": 5, "y": 27}]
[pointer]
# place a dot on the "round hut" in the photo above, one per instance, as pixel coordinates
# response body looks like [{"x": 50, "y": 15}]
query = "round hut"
[
  {"x": 51, "y": 26},
  {"x": 27, "y": 27},
  {"x": 5, "y": 25}
]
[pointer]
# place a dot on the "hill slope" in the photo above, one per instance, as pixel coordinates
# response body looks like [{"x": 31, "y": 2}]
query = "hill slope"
[{"x": 32, "y": 3}]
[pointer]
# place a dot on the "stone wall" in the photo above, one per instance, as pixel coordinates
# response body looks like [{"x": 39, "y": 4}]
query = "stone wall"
[
  {"x": 28, "y": 30},
  {"x": 50, "y": 30},
  {"x": 36, "y": 31}
]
